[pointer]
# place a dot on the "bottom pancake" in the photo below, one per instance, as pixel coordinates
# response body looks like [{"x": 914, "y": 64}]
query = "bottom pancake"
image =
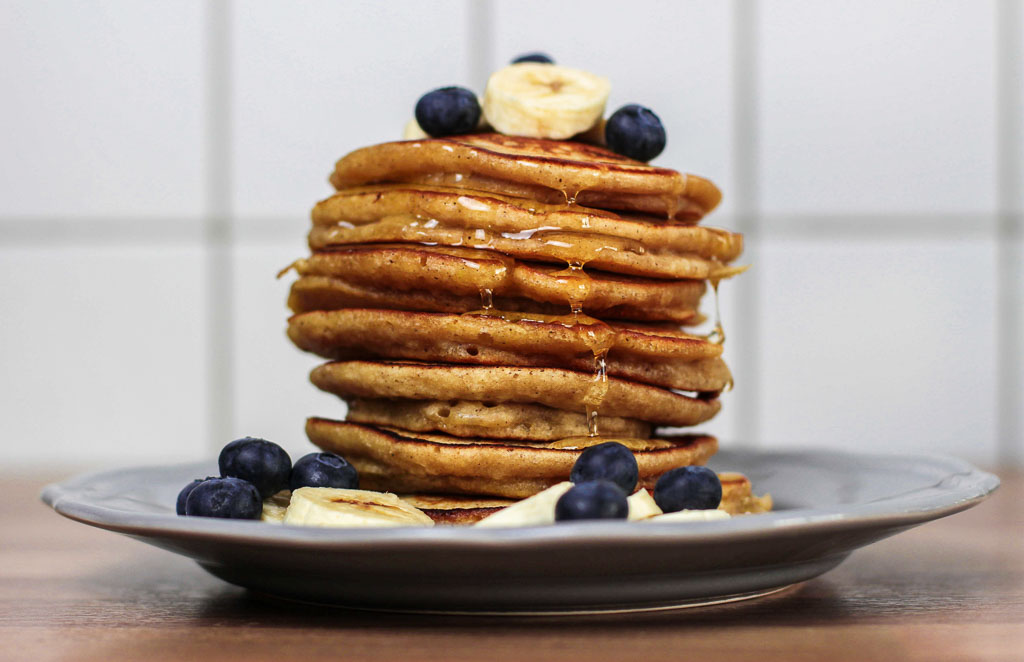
[
  {"x": 452, "y": 509},
  {"x": 391, "y": 460},
  {"x": 737, "y": 499},
  {"x": 489, "y": 420}
]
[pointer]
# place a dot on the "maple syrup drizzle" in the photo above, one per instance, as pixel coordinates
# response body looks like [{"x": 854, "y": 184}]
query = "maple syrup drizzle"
[
  {"x": 578, "y": 286},
  {"x": 717, "y": 334},
  {"x": 632, "y": 443},
  {"x": 597, "y": 393},
  {"x": 550, "y": 241},
  {"x": 487, "y": 299},
  {"x": 578, "y": 242}
]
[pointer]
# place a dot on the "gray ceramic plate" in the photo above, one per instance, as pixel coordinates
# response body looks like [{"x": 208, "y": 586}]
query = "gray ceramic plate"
[{"x": 828, "y": 504}]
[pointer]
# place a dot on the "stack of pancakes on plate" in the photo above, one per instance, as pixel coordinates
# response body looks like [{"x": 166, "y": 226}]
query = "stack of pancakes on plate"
[{"x": 491, "y": 305}]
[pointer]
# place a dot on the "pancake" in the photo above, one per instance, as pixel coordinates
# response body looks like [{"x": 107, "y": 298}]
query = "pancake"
[
  {"x": 622, "y": 256},
  {"x": 737, "y": 499},
  {"x": 324, "y": 293},
  {"x": 490, "y": 420},
  {"x": 544, "y": 170},
  {"x": 738, "y": 496},
  {"x": 467, "y": 209},
  {"x": 452, "y": 509},
  {"x": 452, "y": 279},
  {"x": 393, "y": 461},
  {"x": 649, "y": 354},
  {"x": 552, "y": 387}
]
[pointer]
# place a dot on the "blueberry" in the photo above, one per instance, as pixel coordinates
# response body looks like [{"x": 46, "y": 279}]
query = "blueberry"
[
  {"x": 598, "y": 499},
  {"x": 608, "y": 461},
  {"x": 688, "y": 488},
  {"x": 636, "y": 132},
  {"x": 183, "y": 494},
  {"x": 542, "y": 58},
  {"x": 448, "y": 111},
  {"x": 263, "y": 463},
  {"x": 324, "y": 470},
  {"x": 231, "y": 498}
]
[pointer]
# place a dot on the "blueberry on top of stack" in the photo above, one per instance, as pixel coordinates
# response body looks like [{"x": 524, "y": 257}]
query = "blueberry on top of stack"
[{"x": 507, "y": 288}]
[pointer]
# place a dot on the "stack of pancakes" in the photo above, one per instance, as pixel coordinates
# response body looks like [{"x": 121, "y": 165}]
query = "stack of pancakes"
[{"x": 492, "y": 305}]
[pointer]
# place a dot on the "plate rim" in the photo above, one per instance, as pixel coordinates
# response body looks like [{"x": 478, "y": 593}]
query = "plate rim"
[{"x": 972, "y": 485}]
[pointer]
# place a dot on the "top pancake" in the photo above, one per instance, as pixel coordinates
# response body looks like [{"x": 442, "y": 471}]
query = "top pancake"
[{"x": 544, "y": 170}]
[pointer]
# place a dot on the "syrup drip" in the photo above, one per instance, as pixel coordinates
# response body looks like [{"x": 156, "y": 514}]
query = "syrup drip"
[
  {"x": 632, "y": 443},
  {"x": 578, "y": 286},
  {"x": 581, "y": 245},
  {"x": 570, "y": 200},
  {"x": 598, "y": 392},
  {"x": 544, "y": 241},
  {"x": 717, "y": 334},
  {"x": 487, "y": 299}
]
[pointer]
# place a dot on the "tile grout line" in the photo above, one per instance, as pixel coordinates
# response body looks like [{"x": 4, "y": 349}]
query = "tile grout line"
[
  {"x": 1010, "y": 169},
  {"x": 744, "y": 151},
  {"x": 88, "y": 231},
  {"x": 217, "y": 236}
]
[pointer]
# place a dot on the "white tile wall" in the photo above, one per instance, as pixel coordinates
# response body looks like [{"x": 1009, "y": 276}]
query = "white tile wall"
[
  {"x": 273, "y": 394},
  {"x": 877, "y": 107},
  {"x": 102, "y": 109},
  {"x": 103, "y": 355},
  {"x": 311, "y": 85},
  {"x": 682, "y": 68},
  {"x": 735, "y": 426},
  {"x": 879, "y": 114},
  {"x": 879, "y": 345},
  {"x": 727, "y": 425},
  {"x": 1015, "y": 101}
]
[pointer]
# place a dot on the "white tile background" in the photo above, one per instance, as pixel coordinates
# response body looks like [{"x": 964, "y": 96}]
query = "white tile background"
[{"x": 159, "y": 161}]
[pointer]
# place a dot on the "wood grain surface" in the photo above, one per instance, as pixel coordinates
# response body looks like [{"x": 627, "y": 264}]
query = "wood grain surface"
[{"x": 948, "y": 590}]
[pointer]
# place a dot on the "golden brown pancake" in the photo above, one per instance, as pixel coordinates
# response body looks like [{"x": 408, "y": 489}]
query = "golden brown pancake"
[
  {"x": 649, "y": 354},
  {"x": 737, "y": 499},
  {"x": 411, "y": 463},
  {"x": 565, "y": 248},
  {"x": 543, "y": 170},
  {"x": 487, "y": 420},
  {"x": 738, "y": 496},
  {"x": 323, "y": 293},
  {"x": 467, "y": 209},
  {"x": 451, "y": 279},
  {"x": 552, "y": 387},
  {"x": 455, "y": 510},
  {"x": 524, "y": 229}
]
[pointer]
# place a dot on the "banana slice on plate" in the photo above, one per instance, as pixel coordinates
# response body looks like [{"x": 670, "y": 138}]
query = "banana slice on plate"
[
  {"x": 544, "y": 100},
  {"x": 531, "y": 511},
  {"x": 642, "y": 506},
  {"x": 274, "y": 507},
  {"x": 690, "y": 516},
  {"x": 413, "y": 131},
  {"x": 328, "y": 506}
]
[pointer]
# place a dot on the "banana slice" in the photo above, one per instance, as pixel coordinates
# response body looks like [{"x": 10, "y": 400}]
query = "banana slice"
[
  {"x": 544, "y": 100},
  {"x": 642, "y": 506},
  {"x": 413, "y": 131},
  {"x": 690, "y": 516},
  {"x": 275, "y": 505},
  {"x": 327, "y": 506},
  {"x": 531, "y": 511}
]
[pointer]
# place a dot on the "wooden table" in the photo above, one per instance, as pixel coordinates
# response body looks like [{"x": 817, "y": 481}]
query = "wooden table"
[{"x": 949, "y": 590}]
